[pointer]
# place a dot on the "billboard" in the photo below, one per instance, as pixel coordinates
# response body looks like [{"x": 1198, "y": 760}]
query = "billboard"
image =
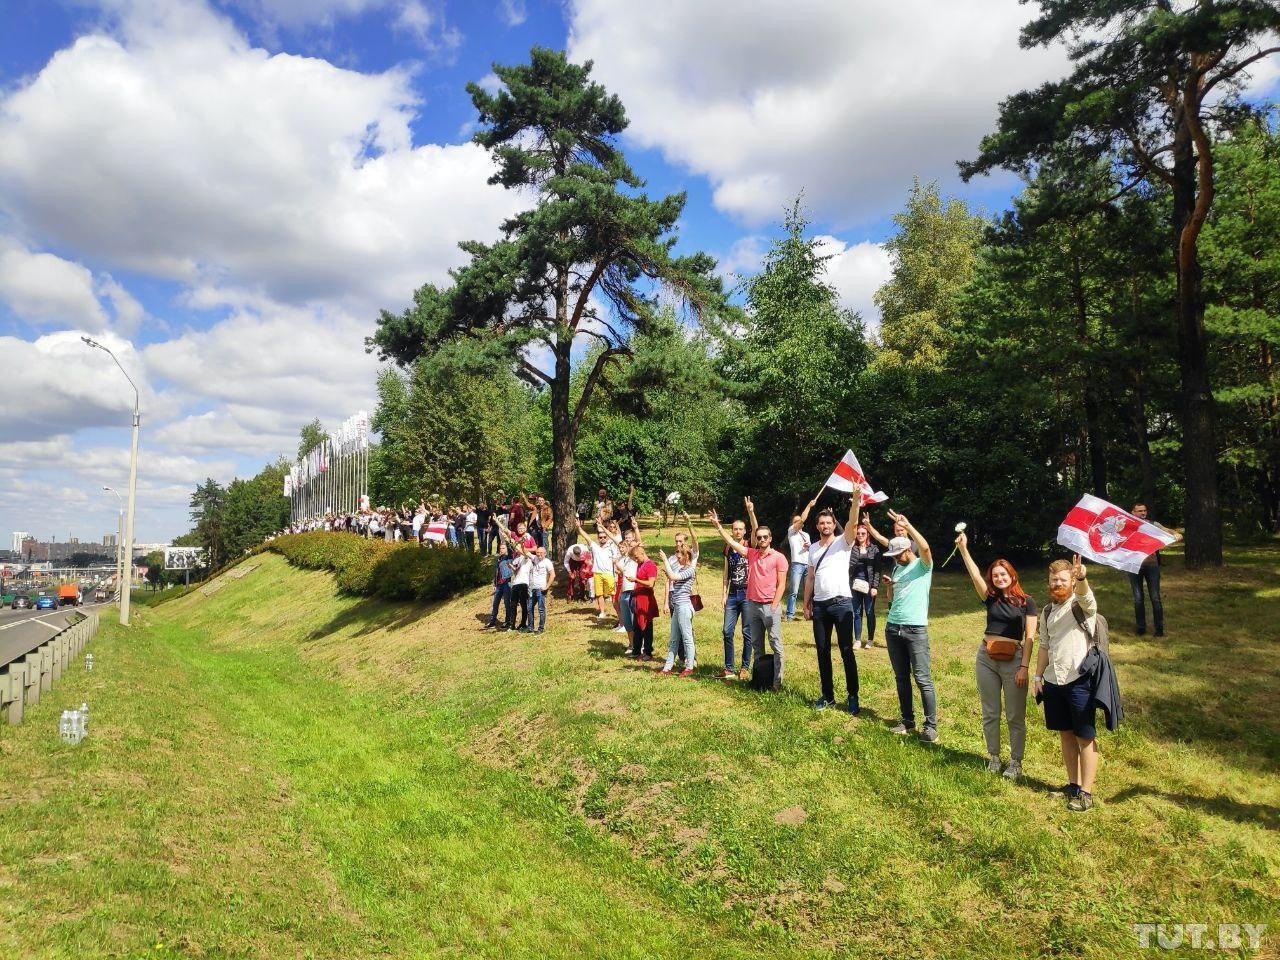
[{"x": 184, "y": 558}]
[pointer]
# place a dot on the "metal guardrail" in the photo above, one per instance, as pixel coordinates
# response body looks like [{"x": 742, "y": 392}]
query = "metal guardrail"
[{"x": 24, "y": 679}]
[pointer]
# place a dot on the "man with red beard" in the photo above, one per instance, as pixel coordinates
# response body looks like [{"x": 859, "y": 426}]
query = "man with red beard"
[{"x": 1067, "y": 628}]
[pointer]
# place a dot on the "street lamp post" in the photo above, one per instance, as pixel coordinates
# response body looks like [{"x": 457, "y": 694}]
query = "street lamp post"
[
  {"x": 126, "y": 585},
  {"x": 119, "y": 540}
]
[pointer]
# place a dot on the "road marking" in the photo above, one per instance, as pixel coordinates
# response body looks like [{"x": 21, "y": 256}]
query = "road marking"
[{"x": 39, "y": 620}]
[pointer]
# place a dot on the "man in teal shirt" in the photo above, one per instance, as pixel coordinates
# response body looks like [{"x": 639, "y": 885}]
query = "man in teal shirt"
[{"x": 907, "y": 627}]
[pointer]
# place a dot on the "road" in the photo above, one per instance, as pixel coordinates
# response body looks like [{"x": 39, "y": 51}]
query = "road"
[{"x": 21, "y": 631}]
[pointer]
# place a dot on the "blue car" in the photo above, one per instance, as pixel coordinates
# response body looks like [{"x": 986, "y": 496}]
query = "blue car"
[{"x": 46, "y": 603}]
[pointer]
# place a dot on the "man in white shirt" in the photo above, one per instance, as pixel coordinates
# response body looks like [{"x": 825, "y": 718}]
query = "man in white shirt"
[
  {"x": 1067, "y": 627},
  {"x": 542, "y": 576},
  {"x": 798, "y": 543},
  {"x": 604, "y": 558},
  {"x": 828, "y": 600},
  {"x": 469, "y": 527}
]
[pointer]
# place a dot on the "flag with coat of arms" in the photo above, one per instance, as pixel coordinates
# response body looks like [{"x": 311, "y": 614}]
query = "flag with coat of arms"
[{"x": 1108, "y": 535}]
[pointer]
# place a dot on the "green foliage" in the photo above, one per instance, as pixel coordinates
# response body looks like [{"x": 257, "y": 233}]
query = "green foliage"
[
  {"x": 309, "y": 437},
  {"x": 456, "y": 427},
  {"x": 1241, "y": 255},
  {"x": 934, "y": 252},
  {"x": 794, "y": 361},
  {"x": 375, "y": 568},
  {"x": 208, "y": 504},
  {"x": 155, "y": 568}
]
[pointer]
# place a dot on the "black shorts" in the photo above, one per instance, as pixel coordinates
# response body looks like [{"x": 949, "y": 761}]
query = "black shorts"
[{"x": 1068, "y": 707}]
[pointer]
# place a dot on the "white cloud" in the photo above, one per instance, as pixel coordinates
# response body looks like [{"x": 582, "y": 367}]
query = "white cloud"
[
  {"x": 56, "y": 385},
  {"x": 514, "y": 12},
  {"x": 856, "y": 271},
  {"x": 45, "y": 289},
  {"x": 427, "y": 26},
  {"x": 294, "y": 177},
  {"x": 844, "y": 99},
  {"x": 266, "y": 370}
]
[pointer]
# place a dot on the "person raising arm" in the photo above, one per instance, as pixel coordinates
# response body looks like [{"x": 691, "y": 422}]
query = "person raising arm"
[{"x": 741, "y": 548}]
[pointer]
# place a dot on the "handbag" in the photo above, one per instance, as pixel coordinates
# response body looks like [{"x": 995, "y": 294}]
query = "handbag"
[
  {"x": 860, "y": 586},
  {"x": 1000, "y": 648}
]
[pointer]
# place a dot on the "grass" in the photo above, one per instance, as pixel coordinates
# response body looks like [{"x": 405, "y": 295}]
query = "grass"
[{"x": 277, "y": 771}]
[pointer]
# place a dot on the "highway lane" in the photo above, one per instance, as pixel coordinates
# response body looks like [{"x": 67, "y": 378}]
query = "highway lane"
[{"x": 21, "y": 631}]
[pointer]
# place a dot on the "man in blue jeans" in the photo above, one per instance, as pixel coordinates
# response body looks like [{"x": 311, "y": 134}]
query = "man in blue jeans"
[
  {"x": 1149, "y": 575},
  {"x": 734, "y": 584},
  {"x": 798, "y": 547},
  {"x": 907, "y": 627}
]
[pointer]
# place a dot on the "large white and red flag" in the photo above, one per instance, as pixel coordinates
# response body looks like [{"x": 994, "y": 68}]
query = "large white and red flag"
[
  {"x": 848, "y": 476},
  {"x": 435, "y": 531},
  {"x": 1103, "y": 532}
]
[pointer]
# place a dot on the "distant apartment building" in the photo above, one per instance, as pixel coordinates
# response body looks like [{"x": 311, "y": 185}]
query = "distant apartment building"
[
  {"x": 18, "y": 538},
  {"x": 109, "y": 540}
]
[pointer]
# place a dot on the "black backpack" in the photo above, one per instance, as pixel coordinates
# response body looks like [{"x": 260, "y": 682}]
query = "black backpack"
[{"x": 762, "y": 672}]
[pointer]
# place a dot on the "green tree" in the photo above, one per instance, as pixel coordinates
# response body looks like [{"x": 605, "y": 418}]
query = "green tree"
[
  {"x": 309, "y": 437},
  {"x": 933, "y": 251},
  {"x": 452, "y": 430},
  {"x": 1242, "y": 260},
  {"x": 585, "y": 261},
  {"x": 254, "y": 508},
  {"x": 1142, "y": 96},
  {"x": 795, "y": 359},
  {"x": 155, "y": 568},
  {"x": 208, "y": 504}
]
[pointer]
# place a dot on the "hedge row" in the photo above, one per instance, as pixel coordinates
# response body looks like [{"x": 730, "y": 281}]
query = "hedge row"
[{"x": 391, "y": 571}]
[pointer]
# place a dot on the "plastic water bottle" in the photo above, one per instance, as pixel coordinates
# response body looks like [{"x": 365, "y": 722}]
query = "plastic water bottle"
[
  {"x": 84, "y": 717},
  {"x": 64, "y": 726},
  {"x": 88, "y": 661},
  {"x": 77, "y": 727}
]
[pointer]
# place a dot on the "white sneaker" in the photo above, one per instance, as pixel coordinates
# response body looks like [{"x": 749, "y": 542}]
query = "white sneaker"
[{"x": 619, "y": 629}]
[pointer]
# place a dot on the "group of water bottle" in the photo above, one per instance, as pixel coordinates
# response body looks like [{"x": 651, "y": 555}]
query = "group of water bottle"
[{"x": 73, "y": 726}]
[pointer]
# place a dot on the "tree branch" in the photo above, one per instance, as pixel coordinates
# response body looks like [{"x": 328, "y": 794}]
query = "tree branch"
[
  {"x": 1204, "y": 173},
  {"x": 585, "y": 295},
  {"x": 589, "y": 386},
  {"x": 532, "y": 373},
  {"x": 1148, "y": 157},
  {"x": 1232, "y": 71}
]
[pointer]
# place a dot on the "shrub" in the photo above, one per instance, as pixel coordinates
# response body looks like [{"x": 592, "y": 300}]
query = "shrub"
[{"x": 392, "y": 571}]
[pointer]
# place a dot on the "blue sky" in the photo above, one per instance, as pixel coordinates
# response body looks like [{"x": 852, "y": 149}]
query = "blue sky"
[{"x": 227, "y": 191}]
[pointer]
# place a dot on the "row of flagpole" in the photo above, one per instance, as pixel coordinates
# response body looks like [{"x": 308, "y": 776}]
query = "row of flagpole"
[{"x": 334, "y": 475}]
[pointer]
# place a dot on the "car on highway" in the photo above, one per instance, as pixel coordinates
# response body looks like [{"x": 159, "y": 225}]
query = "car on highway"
[
  {"x": 44, "y": 602},
  {"x": 21, "y": 602},
  {"x": 99, "y": 596}
]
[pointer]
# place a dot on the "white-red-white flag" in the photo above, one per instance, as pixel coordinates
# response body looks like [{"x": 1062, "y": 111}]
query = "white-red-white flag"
[
  {"x": 1103, "y": 532},
  {"x": 848, "y": 476},
  {"x": 436, "y": 530}
]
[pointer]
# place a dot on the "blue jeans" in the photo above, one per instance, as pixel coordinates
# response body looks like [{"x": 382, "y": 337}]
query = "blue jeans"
[
  {"x": 795, "y": 584},
  {"x": 451, "y": 535},
  {"x": 1150, "y": 575},
  {"x": 680, "y": 640},
  {"x": 538, "y": 606},
  {"x": 626, "y": 614},
  {"x": 735, "y": 607},
  {"x": 909, "y": 654},
  {"x": 501, "y": 594},
  {"x": 864, "y": 605}
]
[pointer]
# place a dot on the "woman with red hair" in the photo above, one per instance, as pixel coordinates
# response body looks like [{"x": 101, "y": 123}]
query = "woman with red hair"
[{"x": 1004, "y": 656}]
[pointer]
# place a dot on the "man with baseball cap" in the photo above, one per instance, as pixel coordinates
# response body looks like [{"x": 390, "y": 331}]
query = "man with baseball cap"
[{"x": 907, "y": 626}]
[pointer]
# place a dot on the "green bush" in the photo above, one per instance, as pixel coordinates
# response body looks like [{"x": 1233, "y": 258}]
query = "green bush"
[{"x": 391, "y": 571}]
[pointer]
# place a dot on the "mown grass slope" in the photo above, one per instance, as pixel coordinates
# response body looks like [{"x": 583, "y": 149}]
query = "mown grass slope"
[{"x": 277, "y": 771}]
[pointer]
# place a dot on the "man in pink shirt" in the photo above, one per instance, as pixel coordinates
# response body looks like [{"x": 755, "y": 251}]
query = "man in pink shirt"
[{"x": 766, "y": 582}]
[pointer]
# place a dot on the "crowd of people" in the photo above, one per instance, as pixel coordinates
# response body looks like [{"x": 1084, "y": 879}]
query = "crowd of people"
[{"x": 834, "y": 578}]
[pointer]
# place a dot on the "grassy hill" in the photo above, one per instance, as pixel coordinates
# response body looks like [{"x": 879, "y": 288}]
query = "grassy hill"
[{"x": 276, "y": 771}]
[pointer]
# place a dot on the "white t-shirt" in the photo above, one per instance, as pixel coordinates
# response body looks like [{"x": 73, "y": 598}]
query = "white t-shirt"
[
  {"x": 831, "y": 579},
  {"x": 539, "y": 572},
  {"x": 469, "y": 525},
  {"x": 418, "y": 520},
  {"x": 799, "y": 544},
  {"x": 604, "y": 556},
  {"x": 628, "y": 567},
  {"x": 522, "y": 568}
]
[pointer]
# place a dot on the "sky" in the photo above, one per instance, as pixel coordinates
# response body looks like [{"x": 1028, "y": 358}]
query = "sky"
[{"x": 227, "y": 192}]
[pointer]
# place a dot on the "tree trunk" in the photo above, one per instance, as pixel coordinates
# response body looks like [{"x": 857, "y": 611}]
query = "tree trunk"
[
  {"x": 563, "y": 480},
  {"x": 1146, "y": 469},
  {"x": 1203, "y": 515},
  {"x": 1092, "y": 406}
]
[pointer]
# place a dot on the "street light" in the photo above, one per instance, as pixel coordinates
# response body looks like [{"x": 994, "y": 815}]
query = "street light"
[
  {"x": 126, "y": 584},
  {"x": 119, "y": 540}
]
